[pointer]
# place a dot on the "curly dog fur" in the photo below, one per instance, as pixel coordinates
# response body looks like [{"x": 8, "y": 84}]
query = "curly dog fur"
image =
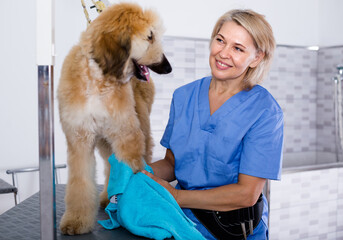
[{"x": 104, "y": 104}]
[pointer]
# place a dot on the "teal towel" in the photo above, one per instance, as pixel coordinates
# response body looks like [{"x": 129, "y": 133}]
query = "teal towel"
[{"x": 144, "y": 207}]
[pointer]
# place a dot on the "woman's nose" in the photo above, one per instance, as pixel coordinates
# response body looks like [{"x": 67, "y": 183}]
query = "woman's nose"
[{"x": 225, "y": 53}]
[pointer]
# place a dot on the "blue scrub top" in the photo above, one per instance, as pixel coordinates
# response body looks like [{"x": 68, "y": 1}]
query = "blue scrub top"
[{"x": 245, "y": 135}]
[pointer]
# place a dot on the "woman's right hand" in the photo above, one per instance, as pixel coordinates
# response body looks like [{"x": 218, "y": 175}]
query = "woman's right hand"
[
  {"x": 173, "y": 191},
  {"x": 164, "y": 168}
]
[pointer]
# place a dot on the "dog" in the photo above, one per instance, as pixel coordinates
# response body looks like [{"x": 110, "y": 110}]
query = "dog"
[{"x": 105, "y": 102}]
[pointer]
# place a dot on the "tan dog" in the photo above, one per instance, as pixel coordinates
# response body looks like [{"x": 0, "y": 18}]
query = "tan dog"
[{"x": 103, "y": 105}]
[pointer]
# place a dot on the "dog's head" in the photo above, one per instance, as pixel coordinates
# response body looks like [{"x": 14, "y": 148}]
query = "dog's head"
[{"x": 125, "y": 40}]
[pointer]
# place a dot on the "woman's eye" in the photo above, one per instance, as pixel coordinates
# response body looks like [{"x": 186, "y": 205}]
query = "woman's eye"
[
  {"x": 220, "y": 40},
  {"x": 238, "y": 49}
]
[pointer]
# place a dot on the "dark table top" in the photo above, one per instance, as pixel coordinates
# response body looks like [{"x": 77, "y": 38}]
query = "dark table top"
[{"x": 23, "y": 221}]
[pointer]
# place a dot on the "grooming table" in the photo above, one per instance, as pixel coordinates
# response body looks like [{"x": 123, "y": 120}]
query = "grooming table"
[{"x": 23, "y": 221}]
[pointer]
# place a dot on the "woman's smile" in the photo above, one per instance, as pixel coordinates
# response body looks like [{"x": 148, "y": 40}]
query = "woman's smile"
[{"x": 222, "y": 66}]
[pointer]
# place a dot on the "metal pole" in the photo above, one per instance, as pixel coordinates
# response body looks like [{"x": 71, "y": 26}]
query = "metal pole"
[
  {"x": 338, "y": 144},
  {"x": 46, "y": 153},
  {"x": 338, "y": 112},
  {"x": 45, "y": 61}
]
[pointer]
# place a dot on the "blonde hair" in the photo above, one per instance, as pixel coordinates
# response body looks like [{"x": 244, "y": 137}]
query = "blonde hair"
[{"x": 262, "y": 35}]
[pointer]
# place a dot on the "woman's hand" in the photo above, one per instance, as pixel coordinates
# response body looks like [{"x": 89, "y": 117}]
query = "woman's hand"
[{"x": 173, "y": 191}]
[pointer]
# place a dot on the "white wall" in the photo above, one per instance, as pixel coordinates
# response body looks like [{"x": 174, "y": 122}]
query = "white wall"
[
  {"x": 295, "y": 22},
  {"x": 18, "y": 96},
  {"x": 330, "y": 22}
]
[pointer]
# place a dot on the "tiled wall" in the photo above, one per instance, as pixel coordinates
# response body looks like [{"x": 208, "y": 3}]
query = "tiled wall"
[
  {"x": 292, "y": 81},
  {"x": 328, "y": 59},
  {"x": 305, "y": 205},
  {"x": 189, "y": 59}
]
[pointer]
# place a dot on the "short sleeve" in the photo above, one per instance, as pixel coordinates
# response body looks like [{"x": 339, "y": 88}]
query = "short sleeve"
[
  {"x": 169, "y": 128},
  {"x": 262, "y": 147}
]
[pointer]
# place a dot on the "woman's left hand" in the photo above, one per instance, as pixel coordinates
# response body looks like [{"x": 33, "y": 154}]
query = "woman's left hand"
[{"x": 173, "y": 191}]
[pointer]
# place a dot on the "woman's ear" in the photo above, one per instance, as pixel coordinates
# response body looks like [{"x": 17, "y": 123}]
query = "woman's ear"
[
  {"x": 112, "y": 52},
  {"x": 258, "y": 58}
]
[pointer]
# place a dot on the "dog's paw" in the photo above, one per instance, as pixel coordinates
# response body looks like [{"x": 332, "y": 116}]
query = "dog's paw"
[
  {"x": 72, "y": 224},
  {"x": 104, "y": 199}
]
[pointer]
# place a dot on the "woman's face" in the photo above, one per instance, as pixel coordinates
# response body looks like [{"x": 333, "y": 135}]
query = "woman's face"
[{"x": 232, "y": 52}]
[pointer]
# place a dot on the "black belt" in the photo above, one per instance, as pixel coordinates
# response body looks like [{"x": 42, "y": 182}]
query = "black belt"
[{"x": 231, "y": 225}]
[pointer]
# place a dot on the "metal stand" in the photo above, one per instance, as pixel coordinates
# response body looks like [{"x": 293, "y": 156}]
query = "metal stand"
[
  {"x": 46, "y": 152},
  {"x": 338, "y": 112},
  {"x": 45, "y": 45}
]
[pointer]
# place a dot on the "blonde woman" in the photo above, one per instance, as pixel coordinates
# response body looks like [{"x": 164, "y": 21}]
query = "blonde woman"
[{"x": 224, "y": 137}]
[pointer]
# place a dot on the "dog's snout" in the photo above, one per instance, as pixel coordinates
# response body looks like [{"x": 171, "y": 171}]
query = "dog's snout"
[
  {"x": 166, "y": 65},
  {"x": 162, "y": 67}
]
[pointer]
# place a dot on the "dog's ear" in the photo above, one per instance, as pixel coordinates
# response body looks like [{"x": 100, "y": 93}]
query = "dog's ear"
[{"x": 111, "y": 52}]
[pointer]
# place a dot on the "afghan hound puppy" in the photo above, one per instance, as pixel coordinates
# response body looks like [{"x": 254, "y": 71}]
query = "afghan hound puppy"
[{"x": 105, "y": 95}]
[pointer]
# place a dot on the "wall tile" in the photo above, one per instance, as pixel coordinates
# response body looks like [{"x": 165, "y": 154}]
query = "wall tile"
[
  {"x": 305, "y": 188},
  {"x": 303, "y": 222},
  {"x": 160, "y": 114},
  {"x": 292, "y": 59},
  {"x": 325, "y": 85},
  {"x": 159, "y": 150},
  {"x": 291, "y": 85},
  {"x": 202, "y": 52},
  {"x": 309, "y": 210},
  {"x": 329, "y": 58}
]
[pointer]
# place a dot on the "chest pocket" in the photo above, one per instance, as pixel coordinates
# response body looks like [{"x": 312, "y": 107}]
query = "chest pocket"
[{"x": 223, "y": 151}]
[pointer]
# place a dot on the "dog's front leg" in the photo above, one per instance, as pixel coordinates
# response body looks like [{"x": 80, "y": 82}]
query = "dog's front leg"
[
  {"x": 81, "y": 199},
  {"x": 129, "y": 146}
]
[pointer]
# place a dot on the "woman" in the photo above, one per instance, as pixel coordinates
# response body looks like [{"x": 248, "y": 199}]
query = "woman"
[{"x": 224, "y": 137}]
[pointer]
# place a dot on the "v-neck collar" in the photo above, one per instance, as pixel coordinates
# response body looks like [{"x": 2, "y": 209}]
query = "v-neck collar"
[{"x": 208, "y": 121}]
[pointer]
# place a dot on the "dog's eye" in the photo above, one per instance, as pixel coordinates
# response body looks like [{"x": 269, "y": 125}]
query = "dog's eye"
[{"x": 150, "y": 37}]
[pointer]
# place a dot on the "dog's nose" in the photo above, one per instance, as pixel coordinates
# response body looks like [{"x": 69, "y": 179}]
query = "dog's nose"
[
  {"x": 163, "y": 67},
  {"x": 166, "y": 65}
]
